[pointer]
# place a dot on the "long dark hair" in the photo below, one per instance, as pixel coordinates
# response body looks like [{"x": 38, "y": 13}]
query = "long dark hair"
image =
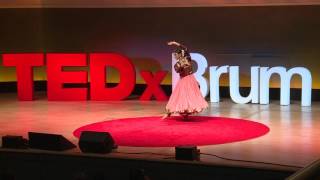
[{"x": 183, "y": 51}]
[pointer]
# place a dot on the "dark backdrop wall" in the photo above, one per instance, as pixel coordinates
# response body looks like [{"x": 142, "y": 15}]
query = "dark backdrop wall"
[{"x": 245, "y": 36}]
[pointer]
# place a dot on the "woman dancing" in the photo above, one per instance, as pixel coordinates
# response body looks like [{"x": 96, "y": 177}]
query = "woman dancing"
[{"x": 186, "y": 98}]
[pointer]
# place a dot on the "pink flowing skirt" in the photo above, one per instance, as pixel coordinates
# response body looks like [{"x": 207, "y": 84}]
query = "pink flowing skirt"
[{"x": 186, "y": 97}]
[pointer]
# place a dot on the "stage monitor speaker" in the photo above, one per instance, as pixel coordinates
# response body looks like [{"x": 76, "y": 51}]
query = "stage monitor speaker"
[
  {"x": 96, "y": 142},
  {"x": 14, "y": 142},
  {"x": 54, "y": 142},
  {"x": 187, "y": 153}
]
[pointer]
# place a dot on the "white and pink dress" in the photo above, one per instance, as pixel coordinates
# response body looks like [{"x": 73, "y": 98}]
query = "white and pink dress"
[{"x": 186, "y": 97}]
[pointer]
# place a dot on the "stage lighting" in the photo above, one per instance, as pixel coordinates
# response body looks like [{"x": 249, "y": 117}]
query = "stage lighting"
[
  {"x": 96, "y": 142},
  {"x": 187, "y": 153},
  {"x": 54, "y": 142},
  {"x": 14, "y": 142}
]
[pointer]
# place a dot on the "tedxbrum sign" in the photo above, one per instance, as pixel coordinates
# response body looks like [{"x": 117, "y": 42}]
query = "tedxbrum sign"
[{"x": 57, "y": 77}]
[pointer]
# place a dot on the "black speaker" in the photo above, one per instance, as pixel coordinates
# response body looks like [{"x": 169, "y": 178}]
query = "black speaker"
[
  {"x": 15, "y": 142},
  {"x": 54, "y": 142},
  {"x": 187, "y": 153},
  {"x": 96, "y": 142}
]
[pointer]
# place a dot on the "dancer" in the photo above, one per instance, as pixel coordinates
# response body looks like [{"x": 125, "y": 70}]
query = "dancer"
[{"x": 186, "y": 98}]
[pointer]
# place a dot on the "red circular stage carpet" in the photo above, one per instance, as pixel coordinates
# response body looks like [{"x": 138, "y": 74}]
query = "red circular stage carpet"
[{"x": 173, "y": 131}]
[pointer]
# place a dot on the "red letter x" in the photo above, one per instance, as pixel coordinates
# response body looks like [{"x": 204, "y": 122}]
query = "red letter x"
[{"x": 153, "y": 85}]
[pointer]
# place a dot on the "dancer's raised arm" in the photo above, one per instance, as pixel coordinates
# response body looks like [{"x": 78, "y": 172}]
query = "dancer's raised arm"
[
  {"x": 170, "y": 43},
  {"x": 174, "y": 43}
]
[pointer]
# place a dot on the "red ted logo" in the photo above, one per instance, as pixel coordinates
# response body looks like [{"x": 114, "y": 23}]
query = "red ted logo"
[{"x": 98, "y": 62}]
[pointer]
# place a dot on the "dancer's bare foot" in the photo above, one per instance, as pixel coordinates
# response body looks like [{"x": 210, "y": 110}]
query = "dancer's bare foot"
[{"x": 166, "y": 115}]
